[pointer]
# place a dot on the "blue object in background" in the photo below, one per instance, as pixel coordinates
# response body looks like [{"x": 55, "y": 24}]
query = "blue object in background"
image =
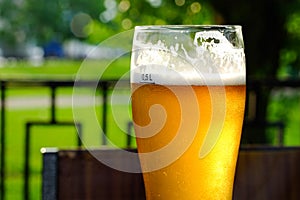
[{"x": 53, "y": 49}]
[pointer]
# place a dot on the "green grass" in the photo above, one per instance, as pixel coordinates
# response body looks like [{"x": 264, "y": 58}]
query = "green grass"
[
  {"x": 40, "y": 137},
  {"x": 66, "y": 69},
  {"x": 53, "y": 136}
]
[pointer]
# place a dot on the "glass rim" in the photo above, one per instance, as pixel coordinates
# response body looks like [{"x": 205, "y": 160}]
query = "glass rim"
[{"x": 189, "y": 28}]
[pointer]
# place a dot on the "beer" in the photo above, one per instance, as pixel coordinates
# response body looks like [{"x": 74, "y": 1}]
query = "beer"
[
  {"x": 188, "y": 96},
  {"x": 190, "y": 177}
]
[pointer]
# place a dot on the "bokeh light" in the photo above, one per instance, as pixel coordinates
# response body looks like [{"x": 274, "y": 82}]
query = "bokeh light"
[
  {"x": 195, "y": 7},
  {"x": 179, "y": 2},
  {"x": 79, "y": 23},
  {"x": 124, "y": 5},
  {"x": 126, "y": 24}
]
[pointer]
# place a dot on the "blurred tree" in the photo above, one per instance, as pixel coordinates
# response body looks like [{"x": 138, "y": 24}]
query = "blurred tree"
[
  {"x": 41, "y": 21},
  {"x": 125, "y": 14},
  {"x": 60, "y": 19},
  {"x": 12, "y": 26},
  {"x": 44, "y": 20},
  {"x": 289, "y": 54}
]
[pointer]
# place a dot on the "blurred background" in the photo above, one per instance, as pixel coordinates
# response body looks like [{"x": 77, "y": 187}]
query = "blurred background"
[{"x": 47, "y": 41}]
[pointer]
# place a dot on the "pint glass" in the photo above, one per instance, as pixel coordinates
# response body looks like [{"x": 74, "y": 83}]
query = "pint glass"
[{"x": 188, "y": 98}]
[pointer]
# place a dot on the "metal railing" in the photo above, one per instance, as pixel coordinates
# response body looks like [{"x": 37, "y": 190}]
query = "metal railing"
[{"x": 102, "y": 86}]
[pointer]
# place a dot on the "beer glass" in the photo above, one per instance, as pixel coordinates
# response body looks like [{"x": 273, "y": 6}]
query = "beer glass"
[{"x": 188, "y": 99}]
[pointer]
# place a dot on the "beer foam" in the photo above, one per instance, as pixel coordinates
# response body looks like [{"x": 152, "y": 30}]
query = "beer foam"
[{"x": 207, "y": 58}]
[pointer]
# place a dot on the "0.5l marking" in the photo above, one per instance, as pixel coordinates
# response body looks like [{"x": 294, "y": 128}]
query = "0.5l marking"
[{"x": 147, "y": 78}]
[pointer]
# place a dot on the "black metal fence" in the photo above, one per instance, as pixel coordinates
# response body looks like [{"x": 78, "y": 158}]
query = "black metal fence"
[
  {"x": 5, "y": 85},
  {"x": 255, "y": 86}
]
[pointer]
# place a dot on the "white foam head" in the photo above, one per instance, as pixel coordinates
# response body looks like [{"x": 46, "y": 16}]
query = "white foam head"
[{"x": 180, "y": 57}]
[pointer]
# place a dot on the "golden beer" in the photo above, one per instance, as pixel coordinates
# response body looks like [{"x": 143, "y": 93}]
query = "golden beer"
[
  {"x": 189, "y": 177},
  {"x": 188, "y": 99}
]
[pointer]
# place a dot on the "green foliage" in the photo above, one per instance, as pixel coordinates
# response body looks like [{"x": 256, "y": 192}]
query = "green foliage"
[
  {"x": 98, "y": 32},
  {"x": 44, "y": 20},
  {"x": 12, "y": 24},
  {"x": 278, "y": 111},
  {"x": 145, "y": 12},
  {"x": 289, "y": 55}
]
